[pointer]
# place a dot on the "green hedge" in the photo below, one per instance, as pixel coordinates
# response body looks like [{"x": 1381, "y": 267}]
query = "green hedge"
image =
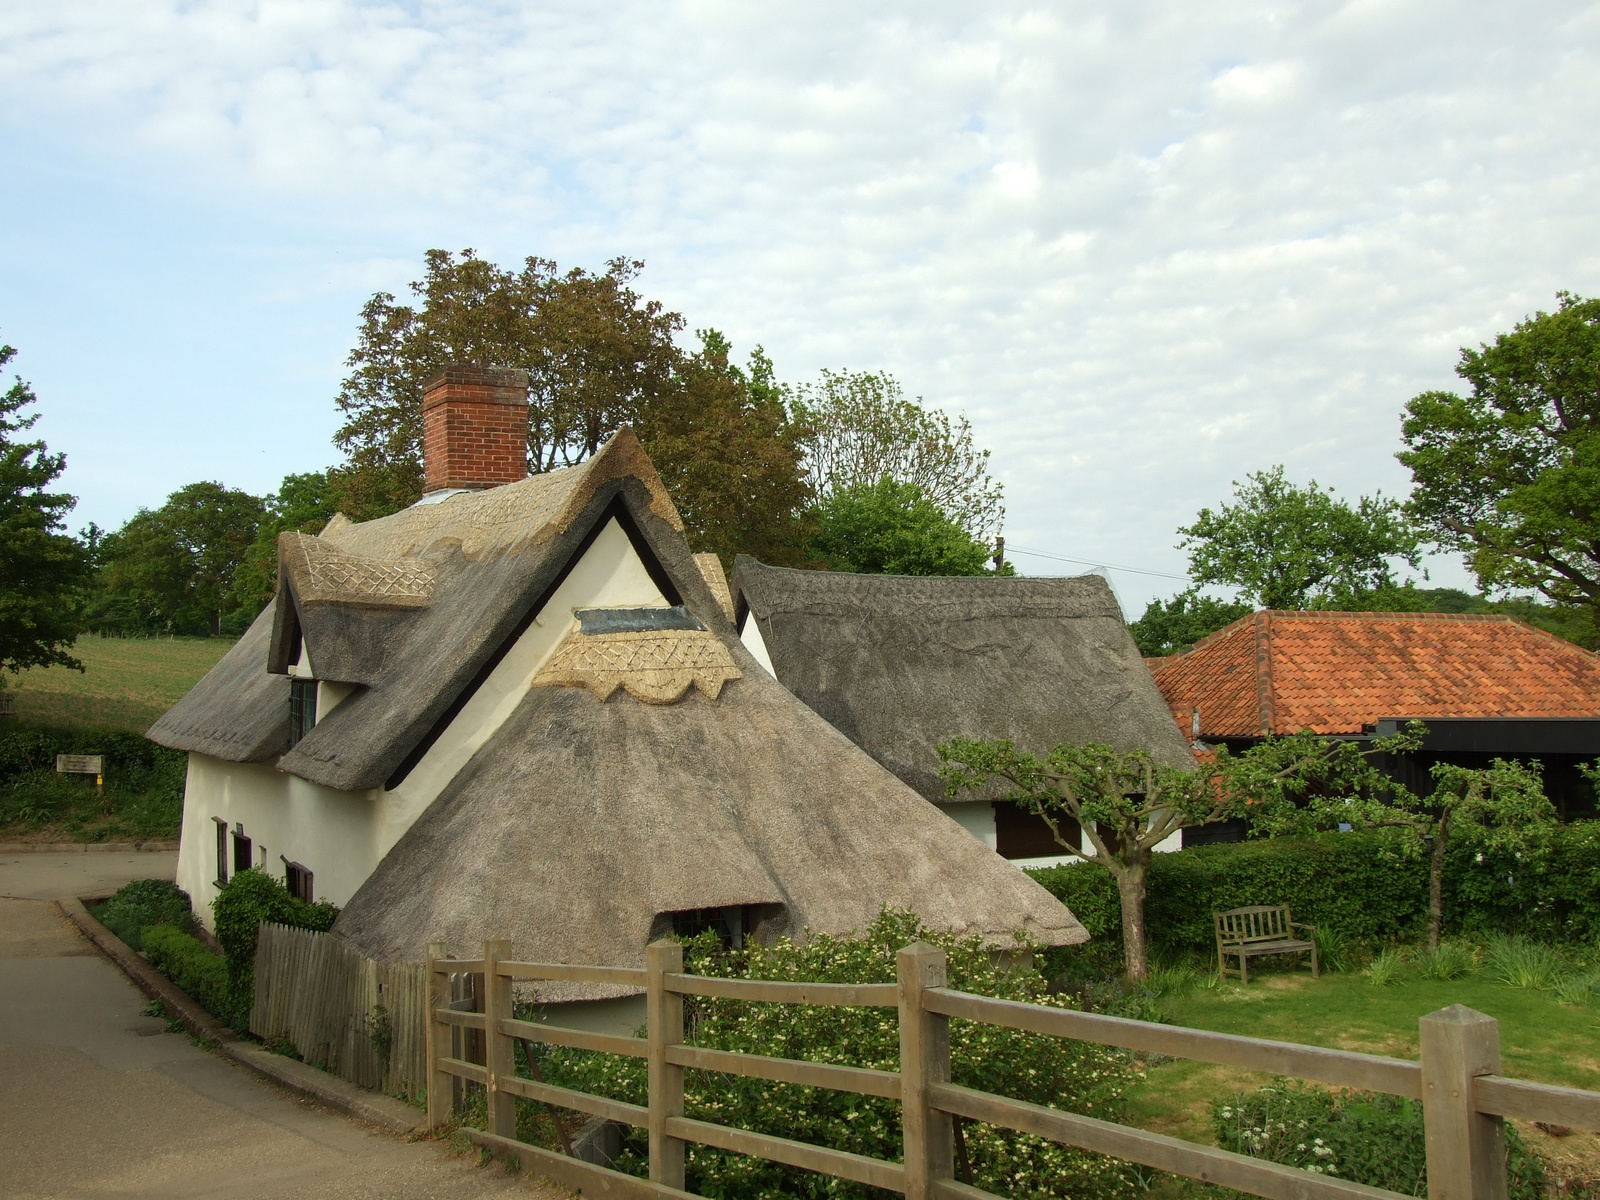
[
  {"x": 142, "y": 903},
  {"x": 186, "y": 961},
  {"x": 1354, "y": 884},
  {"x": 143, "y": 795}
]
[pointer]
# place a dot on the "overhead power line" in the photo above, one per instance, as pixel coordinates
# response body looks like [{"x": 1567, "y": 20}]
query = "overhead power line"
[{"x": 1085, "y": 562}]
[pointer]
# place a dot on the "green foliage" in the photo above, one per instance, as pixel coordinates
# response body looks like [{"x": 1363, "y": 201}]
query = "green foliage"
[
  {"x": 303, "y": 503},
  {"x": 1385, "y": 966},
  {"x": 1519, "y": 962},
  {"x": 1355, "y": 884},
  {"x": 1509, "y": 473},
  {"x": 1449, "y": 960},
  {"x": 1284, "y": 546},
  {"x": 891, "y": 528},
  {"x": 1333, "y": 949},
  {"x": 43, "y": 570},
  {"x": 1360, "y": 1137},
  {"x": 1079, "y": 1076},
  {"x": 861, "y": 429},
  {"x": 171, "y": 569},
  {"x": 200, "y": 974},
  {"x": 250, "y": 898},
  {"x": 142, "y": 797},
  {"x": 1173, "y": 625},
  {"x": 143, "y": 903}
]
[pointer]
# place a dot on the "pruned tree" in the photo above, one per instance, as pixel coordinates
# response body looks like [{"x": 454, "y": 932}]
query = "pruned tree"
[{"x": 862, "y": 429}]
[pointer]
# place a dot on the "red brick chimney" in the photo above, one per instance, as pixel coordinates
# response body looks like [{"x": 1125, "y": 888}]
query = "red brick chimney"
[{"x": 474, "y": 428}]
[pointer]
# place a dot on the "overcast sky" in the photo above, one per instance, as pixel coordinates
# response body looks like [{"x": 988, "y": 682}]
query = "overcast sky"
[{"x": 1145, "y": 247}]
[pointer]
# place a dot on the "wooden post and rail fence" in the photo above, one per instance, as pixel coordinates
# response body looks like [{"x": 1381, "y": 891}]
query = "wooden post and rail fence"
[{"x": 1464, "y": 1097}]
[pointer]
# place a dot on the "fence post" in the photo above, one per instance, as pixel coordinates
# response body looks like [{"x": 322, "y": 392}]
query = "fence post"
[
  {"x": 924, "y": 1060},
  {"x": 499, "y": 1056},
  {"x": 1466, "y": 1148},
  {"x": 436, "y": 993},
  {"x": 665, "y": 1029}
]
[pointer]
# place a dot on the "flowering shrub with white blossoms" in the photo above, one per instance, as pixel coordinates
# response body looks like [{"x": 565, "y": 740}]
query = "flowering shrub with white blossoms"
[
  {"x": 1083, "y": 1077},
  {"x": 1363, "y": 1137}
]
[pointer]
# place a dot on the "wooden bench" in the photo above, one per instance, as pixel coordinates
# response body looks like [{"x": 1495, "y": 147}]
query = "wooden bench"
[{"x": 1262, "y": 929}]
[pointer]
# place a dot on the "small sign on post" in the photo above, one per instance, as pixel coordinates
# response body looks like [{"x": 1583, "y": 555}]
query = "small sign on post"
[{"x": 82, "y": 764}]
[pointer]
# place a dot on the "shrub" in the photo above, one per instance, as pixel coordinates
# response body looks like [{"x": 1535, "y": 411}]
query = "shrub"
[
  {"x": 1083, "y": 1077},
  {"x": 1518, "y": 962},
  {"x": 184, "y": 959},
  {"x": 1333, "y": 950},
  {"x": 250, "y": 898},
  {"x": 1360, "y": 1137},
  {"x": 142, "y": 797},
  {"x": 1383, "y": 967},
  {"x": 146, "y": 902},
  {"x": 1349, "y": 883},
  {"x": 1451, "y": 960}
]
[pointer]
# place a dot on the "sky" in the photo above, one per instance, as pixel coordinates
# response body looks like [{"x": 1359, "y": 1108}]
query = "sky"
[{"x": 1145, "y": 247}]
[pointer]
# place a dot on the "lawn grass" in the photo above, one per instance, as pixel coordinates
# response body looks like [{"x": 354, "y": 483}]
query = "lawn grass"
[
  {"x": 1540, "y": 1039},
  {"x": 127, "y": 683}
]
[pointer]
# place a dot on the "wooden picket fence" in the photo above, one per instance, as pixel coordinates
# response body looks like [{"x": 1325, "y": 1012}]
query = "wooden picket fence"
[
  {"x": 1463, "y": 1095},
  {"x": 343, "y": 1012}
]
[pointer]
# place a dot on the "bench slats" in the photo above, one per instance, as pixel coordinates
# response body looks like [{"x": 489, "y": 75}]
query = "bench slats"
[{"x": 1246, "y": 933}]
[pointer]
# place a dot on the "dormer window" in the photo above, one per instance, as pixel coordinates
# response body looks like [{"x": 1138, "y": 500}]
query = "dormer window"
[{"x": 302, "y": 708}]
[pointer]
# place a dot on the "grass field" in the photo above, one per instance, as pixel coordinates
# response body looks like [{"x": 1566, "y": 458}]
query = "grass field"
[
  {"x": 1540, "y": 1039},
  {"x": 126, "y": 683}
]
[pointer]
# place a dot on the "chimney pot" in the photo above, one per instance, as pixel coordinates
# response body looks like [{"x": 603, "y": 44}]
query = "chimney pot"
[{"x": 474, "y": 428}]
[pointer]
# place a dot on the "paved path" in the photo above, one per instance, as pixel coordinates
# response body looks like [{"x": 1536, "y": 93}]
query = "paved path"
[{"x": 98, "y": 1100}]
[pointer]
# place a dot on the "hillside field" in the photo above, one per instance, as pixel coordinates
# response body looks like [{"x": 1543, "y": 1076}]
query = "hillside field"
[{"x": 126, "y": 683}]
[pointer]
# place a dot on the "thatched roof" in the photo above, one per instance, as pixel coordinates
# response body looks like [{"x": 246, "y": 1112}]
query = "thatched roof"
[
  {"x": 582, "y": 820},
  {"x": 901, "y": 664},
  {"x": 652, "y": 767}
]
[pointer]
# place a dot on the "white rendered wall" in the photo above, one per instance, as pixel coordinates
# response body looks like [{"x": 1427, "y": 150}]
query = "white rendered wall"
[
  {"x": 976, "y": 817},
  {"x": 342, "y": 836},
  {"x": 756, "y": 644}
]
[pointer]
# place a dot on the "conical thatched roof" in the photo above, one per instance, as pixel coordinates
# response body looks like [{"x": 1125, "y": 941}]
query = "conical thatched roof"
[{"x": 901, "y": 664}]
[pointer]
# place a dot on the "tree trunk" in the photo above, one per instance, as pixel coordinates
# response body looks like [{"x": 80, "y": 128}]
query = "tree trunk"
[
  {"x": 1436, "y": 884},
  {"x": 1130, "y": 886}
]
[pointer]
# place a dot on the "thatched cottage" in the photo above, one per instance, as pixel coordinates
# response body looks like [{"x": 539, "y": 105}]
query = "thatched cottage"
[
  {"x": 899, "y": 665},
  {"x": 520, "y": 709}
]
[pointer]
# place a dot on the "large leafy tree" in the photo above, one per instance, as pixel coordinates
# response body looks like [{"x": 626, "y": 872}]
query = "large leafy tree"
[
  {"x": 42, "y": 568},
  {"x": 1284, "y": 546},
  {"x": 861, "y": 428},
  {"x": 170, "y": 569},
  {"x": 599, "y": 356},
  {"x": 893, "y": 528},
  {"x": 1509, "y": 474}
]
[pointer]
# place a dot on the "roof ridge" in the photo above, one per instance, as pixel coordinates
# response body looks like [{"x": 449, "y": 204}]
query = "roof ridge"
[
  {"x": 1264, "y": 697},
  {"x": 1329, "y": 614}
]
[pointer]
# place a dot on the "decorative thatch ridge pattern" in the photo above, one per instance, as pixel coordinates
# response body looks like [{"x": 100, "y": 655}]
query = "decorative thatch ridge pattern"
[
  {"x": 321, "y": 573},
  {"x": 656, "y": 667}
]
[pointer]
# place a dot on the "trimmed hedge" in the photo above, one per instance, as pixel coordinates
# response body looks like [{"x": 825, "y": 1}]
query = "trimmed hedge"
[
  {"x": 143, "y": 796},
  {"x": 185, "y": 960},
  {"x": 1354, "y": 884}
]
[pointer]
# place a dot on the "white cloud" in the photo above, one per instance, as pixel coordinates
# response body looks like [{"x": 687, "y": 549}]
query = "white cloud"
[{"x": 1147, "y": 247}]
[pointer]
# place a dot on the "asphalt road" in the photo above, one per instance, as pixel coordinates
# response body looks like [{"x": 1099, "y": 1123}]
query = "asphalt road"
[{"x": 98, "y": 1100}]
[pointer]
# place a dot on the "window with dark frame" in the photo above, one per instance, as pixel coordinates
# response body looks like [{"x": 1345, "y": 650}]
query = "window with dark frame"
[
  {"x": 297, "y": 879},
  {"x": 302, "y": 708},
  {"x": 727, "y": 923},
  {"x": 222, "y": 851},
  {"x": 1019, "y": 833},
  {"x": 243, "y": 850}
]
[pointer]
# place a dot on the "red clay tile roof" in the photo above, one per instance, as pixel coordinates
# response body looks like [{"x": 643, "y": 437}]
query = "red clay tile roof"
[{"x": 1281, "y": 672}]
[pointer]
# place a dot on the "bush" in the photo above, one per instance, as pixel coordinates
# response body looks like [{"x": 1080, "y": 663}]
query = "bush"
[
  {"x": 184, "y": 959},
  {"x": 146, "y": 902},
  {"x": 1360, "y": 1137},
  {"x": 250, "y": 898},
  {"x": 1352, "y": 883},
  {"x": 1451, "y": 960},
  {"x": 142, "y": 797},
  {"x": 1520, "y": 963},
  {"x": 1083, "y": 1077}
]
